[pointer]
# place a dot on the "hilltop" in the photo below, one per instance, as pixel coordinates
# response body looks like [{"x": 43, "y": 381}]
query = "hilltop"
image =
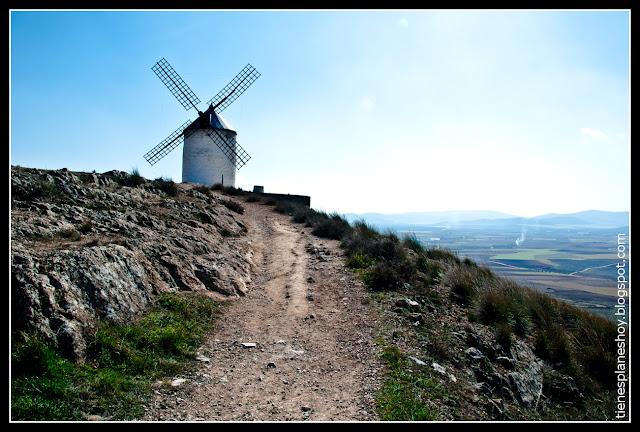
[{"x": 154, "y": 300}]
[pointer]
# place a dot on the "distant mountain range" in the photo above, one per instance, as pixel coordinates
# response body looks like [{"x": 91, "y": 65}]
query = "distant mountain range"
[
  {"x": 587, "y": 219},
  {"x": 427, "y": 218}
]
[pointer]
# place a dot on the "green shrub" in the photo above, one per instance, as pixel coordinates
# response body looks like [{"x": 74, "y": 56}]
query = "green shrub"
[
  {"x": 359, "y": 261},
  {"x": 386, "y": 276},
  {"x": 431, "y": 269}
]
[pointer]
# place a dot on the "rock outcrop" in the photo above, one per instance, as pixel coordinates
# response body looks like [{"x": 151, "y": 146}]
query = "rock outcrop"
[{"x": 85, "y": 247}]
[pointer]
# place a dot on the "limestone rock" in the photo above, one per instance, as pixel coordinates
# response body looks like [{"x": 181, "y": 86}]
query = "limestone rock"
[{"x": 84, "y": 248}]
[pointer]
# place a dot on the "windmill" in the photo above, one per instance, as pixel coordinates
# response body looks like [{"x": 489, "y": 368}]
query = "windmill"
[{"x": 211, "y": 153}]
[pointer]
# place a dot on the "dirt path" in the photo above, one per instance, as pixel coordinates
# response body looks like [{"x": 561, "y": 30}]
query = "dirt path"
[{"x": 314, "y": 356}]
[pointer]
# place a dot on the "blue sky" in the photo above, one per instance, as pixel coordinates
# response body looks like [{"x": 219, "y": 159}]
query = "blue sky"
[{"x": 513, "y": 111}]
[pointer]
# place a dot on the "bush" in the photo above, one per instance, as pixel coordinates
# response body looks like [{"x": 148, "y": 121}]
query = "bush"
[
  {"x": 503, "y": 335},
  {"x": 303, "y": 214},
  {"x": 253, "y": 198},
  {"x": 133, "y": 179},
  {"x": 284, "y": 207},
  {"x": 468, "y": 262},
  {"x": 386, "y": 276},
  {"x": 232, "y": 191},
  {"x": 552, "y": 344},
  {"x": 233, "y": 206},
  {"x": 364, "y": 239},
  {"x": 332, "y": 227},
  {"x": 431, "y": 269},
  {"x": 217, "y": 187},
  {"x": 442, "y": 254},
  {"x": 166, "y": 185},
  {"x": 411, "y": 242},
  {"x": 464, "y": 283},
  {"x": 359, "y": 261}
]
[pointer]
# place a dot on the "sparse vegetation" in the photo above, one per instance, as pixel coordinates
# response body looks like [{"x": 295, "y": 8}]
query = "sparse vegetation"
[
  {"x": 411, "y": 242},
  {"x": 232, "y": 205},
  {"x": 165, "y": 185},
  {"x": 359, "y": 260},
  {"x": 228, "y": 190},
  {"x": 407, "y": 389},
  {"x": 331, "y": 226},
  {"x": 578, "y": 342},
  {"x": 86, "y": 227},
  {"x": 44, "y": 191},
  {"x": 133, "y": 179},
  {"x": 202, "y": 189},
  {"x": 284, "y": 207},
  {"x": 122, "y": 361}
]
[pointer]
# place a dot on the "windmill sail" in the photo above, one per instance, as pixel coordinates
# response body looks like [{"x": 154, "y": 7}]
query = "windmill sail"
[
  {"x": 235, "y": 88},
  {"x": 175, "y": 84},
  {"x": 167, "y": 144},
  {"x": 230, "y": 147}
]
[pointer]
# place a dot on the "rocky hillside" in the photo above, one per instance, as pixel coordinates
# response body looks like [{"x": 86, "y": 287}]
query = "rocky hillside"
[
  {"x": 87, "y": 247},
  {"x": 455, "y": 341}
]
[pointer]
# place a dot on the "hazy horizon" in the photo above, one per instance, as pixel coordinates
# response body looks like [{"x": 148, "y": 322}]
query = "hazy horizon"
[{"x": 523, "y": 112}]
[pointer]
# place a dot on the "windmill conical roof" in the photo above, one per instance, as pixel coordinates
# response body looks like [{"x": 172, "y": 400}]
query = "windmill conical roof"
[
  {"x": 213, "y": 120},
  {"x": 219, "y": 122}
]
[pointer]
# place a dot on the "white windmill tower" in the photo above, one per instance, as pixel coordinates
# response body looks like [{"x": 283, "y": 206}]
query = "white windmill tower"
[{"x": 202, "y": 161}]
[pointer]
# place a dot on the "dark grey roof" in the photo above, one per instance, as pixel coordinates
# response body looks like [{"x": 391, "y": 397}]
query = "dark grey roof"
[{"x": 213, "y": 120}]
